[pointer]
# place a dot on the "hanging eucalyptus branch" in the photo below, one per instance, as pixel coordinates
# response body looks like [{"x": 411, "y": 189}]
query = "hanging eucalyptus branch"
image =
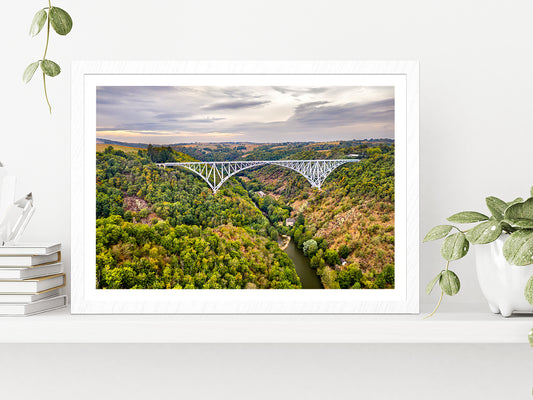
[{"x": 62, "y": 24}]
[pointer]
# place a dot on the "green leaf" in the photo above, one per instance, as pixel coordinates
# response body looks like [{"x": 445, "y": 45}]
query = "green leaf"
[
  {"x": 29, "y": 71},
  {"x": 454, "y": 247},
  {"x": 520, "y": 214},
  {"x": 506, "y": 227},
  {"x": 449, "y": 283},
  {"x": 520, "y": 223},
  {"x": 60, "y": 20},
  {"x": 496, "y": 207},
  {"x": 518, "y": 248},
  {"x": 50, "y": 68},
  {"x": 466, "y": 217},
  {"x": 517, "y": 200},
  {"x": 520, "y": 211},
  {"x": 432, "y": 284},
  {"x": 528, "y": 293},
  {"x": 530, "y": 337},
  {"x": 38, "y": 22},
  {"x": 438, "y": 232},
  {"x": 485, "y": 232}
]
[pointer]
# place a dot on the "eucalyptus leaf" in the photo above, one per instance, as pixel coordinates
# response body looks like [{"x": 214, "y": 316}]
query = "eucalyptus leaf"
[
  {"x": 520, "y": 223},
  {"x": 520, "y": 211},
  {"x": 506, "y": 227},
  {"x": 432, "y": 284},
  {"x": 466, "y": 217},
  {"x": 496, "y": 207},
  {"x": 454, "y": 247},
  {"x": 38, "y": 22},
  {"x": 518, "y": 248},
  {"x": 515, "y": 201},
  {"x": 528, "y": 291},
  {"x": 50, "y": 68},
  {"x": 30, "y": 71},
  {"x": 449, "y": 283},
  {"x": 485, "y": 232},
  {"x": 438, "y": 232},
  {"x": 60, "y": 20}
]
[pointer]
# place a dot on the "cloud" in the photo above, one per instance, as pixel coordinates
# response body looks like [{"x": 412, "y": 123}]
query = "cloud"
[
  {"x": 234, "y": 105},
  {"x": 248, "y": 113},
  {"x": 310, "y": 105},
  {"x": 317, "y": 113},
  {"x": 172, "y": 116},
  {"x": 158, "y": 137},
  {"x": 204, "y": 120},
  {"x": 299, "y": 91}
]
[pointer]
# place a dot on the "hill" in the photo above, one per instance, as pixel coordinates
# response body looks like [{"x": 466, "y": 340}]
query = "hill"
[
  {"x": 162, "y": 228},
  {"x": 346, "y": 229},
  {"x": 351, "y": 219},
  {"x": 127, "y": 149}
]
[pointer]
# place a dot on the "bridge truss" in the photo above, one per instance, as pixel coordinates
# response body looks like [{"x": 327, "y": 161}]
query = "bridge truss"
[{"x": 215, "y": 173}]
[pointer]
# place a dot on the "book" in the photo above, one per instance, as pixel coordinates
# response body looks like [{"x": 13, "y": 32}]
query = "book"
[
  {"x": 32, "y": 286},
  {"x": 50, "y": 303},
  {"x": 35, "y": 272},
  {"x": 29, "y": 260},
  {"x": 28, "y": 298},
  {"x": 30, "y": 249}
]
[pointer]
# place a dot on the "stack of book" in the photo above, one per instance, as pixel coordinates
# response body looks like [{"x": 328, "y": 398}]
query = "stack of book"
[{"x": 31, "y": 276}]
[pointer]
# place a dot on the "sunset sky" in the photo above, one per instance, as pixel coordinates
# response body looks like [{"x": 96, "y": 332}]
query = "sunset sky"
[{"x": 185, "y": 114}]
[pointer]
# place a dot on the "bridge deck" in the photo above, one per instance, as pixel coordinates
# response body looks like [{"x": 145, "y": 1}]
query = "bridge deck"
[{"x": 171, "y": 164}]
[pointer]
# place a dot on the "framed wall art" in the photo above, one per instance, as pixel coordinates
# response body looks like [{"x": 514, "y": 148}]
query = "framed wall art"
[{"x": 245, "y": 187}]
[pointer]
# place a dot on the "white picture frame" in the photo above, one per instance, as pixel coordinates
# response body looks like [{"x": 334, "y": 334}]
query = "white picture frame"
[{"x": 404, "y": 298}]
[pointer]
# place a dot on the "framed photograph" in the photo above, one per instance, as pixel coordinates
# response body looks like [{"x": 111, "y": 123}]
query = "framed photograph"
[{"x": 245, "y": 187}]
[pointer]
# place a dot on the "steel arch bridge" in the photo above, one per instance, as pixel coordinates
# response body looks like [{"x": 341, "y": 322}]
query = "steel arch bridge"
[{"x": 215, "y": 173}]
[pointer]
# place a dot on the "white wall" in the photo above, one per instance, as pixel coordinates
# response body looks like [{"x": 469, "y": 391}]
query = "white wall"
[{"x": 476, "y": 59}]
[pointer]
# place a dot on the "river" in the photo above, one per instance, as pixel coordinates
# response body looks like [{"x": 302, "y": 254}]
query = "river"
[{"x": 308, "y": 276}]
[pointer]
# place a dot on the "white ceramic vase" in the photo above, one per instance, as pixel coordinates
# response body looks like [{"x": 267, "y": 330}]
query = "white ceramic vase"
[{"x": 502, "y": 283}]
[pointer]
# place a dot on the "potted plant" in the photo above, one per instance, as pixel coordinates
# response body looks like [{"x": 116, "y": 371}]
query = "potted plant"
[{"x": 504, "y": 267}]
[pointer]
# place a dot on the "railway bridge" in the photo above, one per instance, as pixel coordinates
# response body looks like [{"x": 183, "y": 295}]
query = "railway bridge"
[{"x": 215, "y": 173}]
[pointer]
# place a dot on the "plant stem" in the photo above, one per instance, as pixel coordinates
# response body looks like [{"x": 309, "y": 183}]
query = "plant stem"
[
  {"x": 47, "y": 31},
  {"x": 438, "y": 305},
  {"x": 440, "y": 299},
  {"x": 44, "y": 55},
  {"x": 46, "y": 94}
]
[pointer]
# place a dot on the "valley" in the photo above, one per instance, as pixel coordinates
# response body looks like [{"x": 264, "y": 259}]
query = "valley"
[{"x": 164, "y": 228}]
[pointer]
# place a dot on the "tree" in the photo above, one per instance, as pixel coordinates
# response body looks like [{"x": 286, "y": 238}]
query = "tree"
[
  {"x": 331, "y": 257},
  {"x": 344, "y": 251},
  {"x": 297, "y": 234},
  {"x": 300, "y": 219},
  {"x": 388, "y": 274},
  {"x": 310, "y": 247},
  {"x": 348, "y": 277},
  {"x": 102, "y": 205}
]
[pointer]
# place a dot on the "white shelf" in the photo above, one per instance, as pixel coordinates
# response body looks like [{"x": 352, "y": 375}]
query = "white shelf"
[{"x": 474, "y": 326}]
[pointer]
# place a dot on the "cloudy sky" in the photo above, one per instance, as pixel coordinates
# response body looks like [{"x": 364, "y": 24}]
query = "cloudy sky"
[{"x": 185, "y": 114}]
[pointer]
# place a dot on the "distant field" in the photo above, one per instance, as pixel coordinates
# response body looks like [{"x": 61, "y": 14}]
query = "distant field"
[
  {"x": 214, "y": 146},
  {"x": 126, "y": 149}
]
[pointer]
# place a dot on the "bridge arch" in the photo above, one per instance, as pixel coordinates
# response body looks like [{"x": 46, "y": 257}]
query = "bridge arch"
[{"x": 216, "y": 173}]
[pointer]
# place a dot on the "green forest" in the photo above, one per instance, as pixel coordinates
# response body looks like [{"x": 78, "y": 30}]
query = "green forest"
[{"x": 163, "y": 228}]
